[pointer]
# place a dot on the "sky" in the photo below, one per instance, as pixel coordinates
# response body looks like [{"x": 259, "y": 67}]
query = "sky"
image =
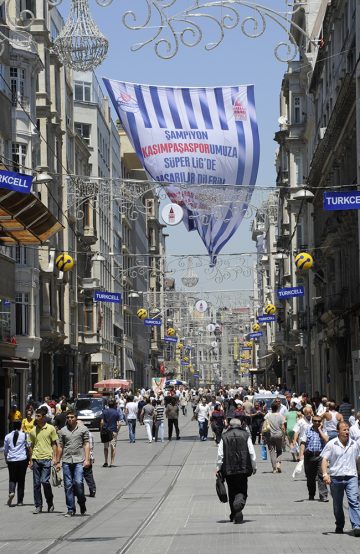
[{"x": 238, "y": 60}]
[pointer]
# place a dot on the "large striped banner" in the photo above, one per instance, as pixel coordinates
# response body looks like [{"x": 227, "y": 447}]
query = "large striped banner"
[{"x": 205, "y": 139}]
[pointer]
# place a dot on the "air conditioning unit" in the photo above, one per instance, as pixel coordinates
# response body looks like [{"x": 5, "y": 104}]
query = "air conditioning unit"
[{"x": 322, "y": 132}]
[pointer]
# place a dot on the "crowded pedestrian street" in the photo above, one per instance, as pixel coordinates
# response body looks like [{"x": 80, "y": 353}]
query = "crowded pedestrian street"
[{"x": 160, "y": 498}]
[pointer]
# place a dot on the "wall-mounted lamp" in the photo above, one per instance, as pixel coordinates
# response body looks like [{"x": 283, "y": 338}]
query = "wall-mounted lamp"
[{"x": 97, "y": 257}]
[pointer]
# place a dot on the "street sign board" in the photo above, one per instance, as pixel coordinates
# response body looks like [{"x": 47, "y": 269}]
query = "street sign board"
[
  {"x": 347, "y": 200},
  {"x": 246, "y": 348},
  {"x": 266, "y": 318},
  {"x": 103, "y": 296},
  {"x": 184, "y": 363},
  {"x": 15, "y": 181},
  {"x": 291, "y": 292},
  {"x": 148, "y": 322},
  {"x": 255, "y": 335},
  {"x": 170, "y": 339}
]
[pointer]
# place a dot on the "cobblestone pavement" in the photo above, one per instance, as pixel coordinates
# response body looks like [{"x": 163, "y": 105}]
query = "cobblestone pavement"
[{"x": 161, "y": 498}]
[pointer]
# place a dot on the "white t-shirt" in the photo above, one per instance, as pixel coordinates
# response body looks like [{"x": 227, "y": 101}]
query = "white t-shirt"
[
  {"x": 301, "y": 426},
  {"x": 132, "y": 410}
]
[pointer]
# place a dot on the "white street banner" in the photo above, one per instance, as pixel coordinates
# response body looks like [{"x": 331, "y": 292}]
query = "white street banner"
[{"x": 203, "y": 139}]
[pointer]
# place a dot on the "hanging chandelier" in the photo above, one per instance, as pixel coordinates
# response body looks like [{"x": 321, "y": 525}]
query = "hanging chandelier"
[
  {"x": 190, "y": 279},
  {"x": 80, "y": 45}
]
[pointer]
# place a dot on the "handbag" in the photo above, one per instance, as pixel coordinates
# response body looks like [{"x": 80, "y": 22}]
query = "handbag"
[
  {"x": 220, "y": 488},
  {"x": 56, "y": 479},
  {"x": 265, "y": 427},
  {"x": 105, "y": 435}
]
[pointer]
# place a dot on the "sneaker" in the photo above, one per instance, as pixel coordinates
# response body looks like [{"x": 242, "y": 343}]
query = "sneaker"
[
  {"x": 69, "y": 514},
  {"x": 10, "y": 499},
  {"x": 92, "y": 494},
  {"x": 356, "y": 531},
  {"x": 51, "y": 508},
  {"x": 83, "y": 509},
  {"x": 238, "y": 518},
  {"x": 20, "y": 504},
  {"x": 178, "y": 438},
  {"x": 339, "y": 530},
  {"x": 105, "y": 464},
  {"x": 37, "y": 511},
  {"x": 324, "y": 499}
]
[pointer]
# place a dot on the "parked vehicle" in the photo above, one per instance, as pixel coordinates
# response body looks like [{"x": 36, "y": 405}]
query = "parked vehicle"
[
  {"x": 268, "y": 399},
  {"x": 89, "y": 411}
]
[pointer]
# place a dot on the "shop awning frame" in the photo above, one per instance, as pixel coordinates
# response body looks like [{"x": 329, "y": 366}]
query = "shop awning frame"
[{"x": 24, "y": 219}]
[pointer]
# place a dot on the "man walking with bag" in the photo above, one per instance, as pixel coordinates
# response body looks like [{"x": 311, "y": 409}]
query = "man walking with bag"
[
  {"x": 74, "y": 449},
  {"x": 236, "y": 462}
]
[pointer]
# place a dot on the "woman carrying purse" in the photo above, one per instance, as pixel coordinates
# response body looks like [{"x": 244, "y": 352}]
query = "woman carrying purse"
[{"x": 17, "y": 458}]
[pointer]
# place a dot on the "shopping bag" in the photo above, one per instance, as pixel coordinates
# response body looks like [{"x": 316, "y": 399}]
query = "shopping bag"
[
  {"x": 220, "y": 488},
  {"x": 263, "y": 452},
  {"x": 298, "y": 468}
]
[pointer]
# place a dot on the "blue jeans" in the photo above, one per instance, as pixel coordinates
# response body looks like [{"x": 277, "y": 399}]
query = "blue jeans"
[
  {"x": 41, "y": 476},
  {"x": 73, "y": 485},
  {"x": 203, "y": 429},
  {"x": 132, "y": 427},
  {"x": 349, "y": 485}
]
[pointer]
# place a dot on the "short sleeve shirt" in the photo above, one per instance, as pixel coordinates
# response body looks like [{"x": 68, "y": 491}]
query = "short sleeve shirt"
[
  {"x": 111, "y": 416},
  {"x": 41, "y": 439}
]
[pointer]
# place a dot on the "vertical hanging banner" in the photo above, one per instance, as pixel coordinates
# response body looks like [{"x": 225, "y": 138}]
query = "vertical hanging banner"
[{"x": 203, "y": 143}]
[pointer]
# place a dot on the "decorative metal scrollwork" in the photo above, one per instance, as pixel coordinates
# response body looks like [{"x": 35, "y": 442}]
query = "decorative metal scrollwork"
[{"x": 170, "y": 27}]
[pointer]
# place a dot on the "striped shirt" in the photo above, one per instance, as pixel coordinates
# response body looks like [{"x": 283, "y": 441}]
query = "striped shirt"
[{"x": 159, "y": 413}]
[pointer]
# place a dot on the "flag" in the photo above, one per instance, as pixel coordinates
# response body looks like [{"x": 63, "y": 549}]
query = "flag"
[{"x": 205, "y": 139}]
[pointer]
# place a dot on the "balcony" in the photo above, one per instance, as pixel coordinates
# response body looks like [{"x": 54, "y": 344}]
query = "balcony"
[
  {"x": 89, "y": 283},
  {"x": 89, "y": 341}
]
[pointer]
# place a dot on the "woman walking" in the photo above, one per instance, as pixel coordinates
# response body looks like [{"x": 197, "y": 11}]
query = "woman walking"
[
  {"x": 277, "y": 429},
  {"x": 147, "y": 417},
  {"x": 217, "y": 421},
  {"x": 16, "y": 457}
]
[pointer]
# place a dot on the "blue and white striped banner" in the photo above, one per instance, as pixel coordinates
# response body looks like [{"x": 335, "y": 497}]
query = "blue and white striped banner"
[{"x": 196, "y": 137}]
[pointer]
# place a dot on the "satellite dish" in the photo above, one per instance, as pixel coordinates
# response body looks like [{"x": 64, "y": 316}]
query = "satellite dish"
[{"x": 282, "y": 120}]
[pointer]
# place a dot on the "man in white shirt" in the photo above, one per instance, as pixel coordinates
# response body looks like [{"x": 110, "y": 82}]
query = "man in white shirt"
[
  {"x": 302, "y": 425},
  {"x": 131, "y": 410},
  {"x": 203, "y": 414},
  {"x": 343, "y": 454},
  {"x": 322, "y": 406}
]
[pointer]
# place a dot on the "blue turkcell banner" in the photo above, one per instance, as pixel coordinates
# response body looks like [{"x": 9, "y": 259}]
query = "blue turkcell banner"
[
  {"x": 347, "y": 200},
  {"x": 291, "y": 292},
  {"x": 198, "y": 138},
  {"x": 103, "y": 296},
  {"x": 255, "y": 335},
  {"x": 246, "y": 348},
  {"x": 170, "y": 339},
  {"x": 19, "y": 182},
  {"x": 184, "y": 363},
  {"x": 266, "y": 318},
  {"x": 148, "y": 322}
]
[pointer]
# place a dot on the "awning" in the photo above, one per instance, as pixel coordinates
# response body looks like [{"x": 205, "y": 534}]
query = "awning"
[
  {"x": 129, "y": 364},
  {"x": 15, "y": 363},
  {"x": 24, "y": 219}
]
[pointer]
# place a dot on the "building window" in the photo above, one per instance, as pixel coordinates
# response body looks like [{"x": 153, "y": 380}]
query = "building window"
[
  {"x": 22, "y": 313},
  {"x": 297, "y": 109},
  {"x": 17, "y": 84},
  {"x": 19, "y": 156},
  {"x": 27, "y": 6},
  {"x": 84, "y": 130},
  {"x": 21, "y": 255},
  {"x": 82, "y": 91}
]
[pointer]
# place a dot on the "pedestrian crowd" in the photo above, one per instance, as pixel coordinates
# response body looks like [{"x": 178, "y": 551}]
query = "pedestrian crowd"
[{"x": 322, "y": 436}]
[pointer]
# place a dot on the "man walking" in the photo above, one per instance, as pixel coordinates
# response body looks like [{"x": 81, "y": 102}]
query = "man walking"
[
  {"x": 74, "y": 450},
  {"x": 131, "y": 412},
  {"x": 236, "y": 462},
  {"x": 43, "y": 450},
  {"x": 355, "y": 429},
  {"x": 203, "y": 415},
  {"x": 172, "y": 413},
  {"x": 310, "y": 451},
  {"x": 111, "y": 421},
  {"x": 343, "y": 454}
]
